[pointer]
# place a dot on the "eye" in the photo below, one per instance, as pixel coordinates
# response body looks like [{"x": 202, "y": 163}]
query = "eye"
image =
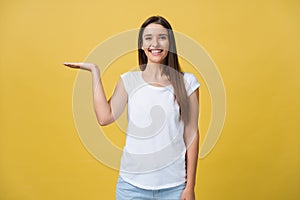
[
  {"x": 147, "y": 38},
  {"x": 163, "y": 37}
]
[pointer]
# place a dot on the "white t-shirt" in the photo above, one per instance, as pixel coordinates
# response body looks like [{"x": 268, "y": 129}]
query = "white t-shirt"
[{"x": 154, "y": 153}]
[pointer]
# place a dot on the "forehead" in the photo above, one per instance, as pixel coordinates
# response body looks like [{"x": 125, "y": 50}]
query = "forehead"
[{"x": 155, "y": 29}]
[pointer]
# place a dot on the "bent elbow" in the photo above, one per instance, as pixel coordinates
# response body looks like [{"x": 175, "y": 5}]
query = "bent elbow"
[
  {"x": 103, "y": 122},
  {"x": 104, "y": 119}
]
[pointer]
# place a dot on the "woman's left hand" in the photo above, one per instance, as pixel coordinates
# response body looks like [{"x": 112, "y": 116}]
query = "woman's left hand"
[{"x": 188, "y": 194}]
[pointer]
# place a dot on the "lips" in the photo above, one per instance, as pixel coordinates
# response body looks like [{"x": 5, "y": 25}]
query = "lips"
[{"x": 155, "y": 52}]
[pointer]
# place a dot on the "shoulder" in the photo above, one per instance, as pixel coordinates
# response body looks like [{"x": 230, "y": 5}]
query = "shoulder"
[
  {"x": 188, "y": 76},
  {"x": 131, "y": 79},
  {"x": 130, "y": 74}
]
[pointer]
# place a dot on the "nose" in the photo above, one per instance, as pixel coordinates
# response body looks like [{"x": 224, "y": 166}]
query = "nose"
[{"x": 154, "y": 42}]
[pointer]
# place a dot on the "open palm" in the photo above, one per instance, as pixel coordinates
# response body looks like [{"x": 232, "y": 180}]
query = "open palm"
[{"x": 81, "y": 65}]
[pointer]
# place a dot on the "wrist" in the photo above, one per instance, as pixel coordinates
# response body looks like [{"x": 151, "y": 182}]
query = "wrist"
[
  {"x": 95, "y": 69},
  {"x": 190, "y": 186}
]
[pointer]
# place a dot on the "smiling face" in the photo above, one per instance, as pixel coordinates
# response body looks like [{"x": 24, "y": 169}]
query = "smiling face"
[{"x": 155, "y": 43}]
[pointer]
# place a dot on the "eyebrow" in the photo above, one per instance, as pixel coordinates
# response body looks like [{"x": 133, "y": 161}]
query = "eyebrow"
[{"x": 162, "y": 34}]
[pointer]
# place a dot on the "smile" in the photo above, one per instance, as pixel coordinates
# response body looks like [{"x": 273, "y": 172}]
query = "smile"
[{"x": 156, "y": 52}]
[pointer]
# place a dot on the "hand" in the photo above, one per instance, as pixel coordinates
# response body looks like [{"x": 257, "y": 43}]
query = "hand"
[
  {"x": 84, "y": 66},
  {"x": 188, "y": 194}
]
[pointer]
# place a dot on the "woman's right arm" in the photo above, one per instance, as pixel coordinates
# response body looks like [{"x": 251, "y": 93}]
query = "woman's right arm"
[{"x": 106, "y": 111}]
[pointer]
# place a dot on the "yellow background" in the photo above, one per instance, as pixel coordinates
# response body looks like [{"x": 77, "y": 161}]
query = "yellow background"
[{"x": 255, "y": 45}]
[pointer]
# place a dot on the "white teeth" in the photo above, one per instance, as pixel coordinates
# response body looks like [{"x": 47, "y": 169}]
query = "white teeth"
[{"x": 156, "y": 51}]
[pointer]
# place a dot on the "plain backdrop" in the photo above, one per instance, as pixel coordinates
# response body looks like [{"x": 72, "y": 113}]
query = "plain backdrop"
[{"x": 255, "y": 45}]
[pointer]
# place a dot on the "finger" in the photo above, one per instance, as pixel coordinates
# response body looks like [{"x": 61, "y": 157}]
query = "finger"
[
  {"x": 69, "y": 63},
  {"x": 77, "y": 65}
]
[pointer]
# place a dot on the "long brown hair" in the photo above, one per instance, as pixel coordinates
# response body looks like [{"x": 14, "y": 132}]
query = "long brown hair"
[{"x": 170, "y": 67}]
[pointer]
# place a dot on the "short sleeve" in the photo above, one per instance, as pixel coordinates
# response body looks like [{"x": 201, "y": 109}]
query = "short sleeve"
[
  {"x": 125, "y": 80},
  {"x": 130, "y": 80},
  {"x": 191, "y": 83}
]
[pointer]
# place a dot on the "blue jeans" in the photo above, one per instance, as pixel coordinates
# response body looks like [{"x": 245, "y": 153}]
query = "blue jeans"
[{"x": 127, "y": 191}]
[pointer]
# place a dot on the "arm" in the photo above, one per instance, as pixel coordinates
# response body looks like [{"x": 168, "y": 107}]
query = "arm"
[
  {"x": 106, "y": 111},
  {"x": 191, "y": 137}
]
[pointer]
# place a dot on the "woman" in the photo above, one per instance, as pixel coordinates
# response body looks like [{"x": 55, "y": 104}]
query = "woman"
[{"x": 160, "y": 156}]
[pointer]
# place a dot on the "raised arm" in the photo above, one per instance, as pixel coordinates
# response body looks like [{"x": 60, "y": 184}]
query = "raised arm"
[{"x": 106, "y": 111}]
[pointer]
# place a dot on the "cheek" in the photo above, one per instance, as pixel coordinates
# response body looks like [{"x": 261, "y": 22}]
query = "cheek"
[
  {"x": 165, "y": 45},
  {"x": 146, "y": 44},
  {"x": 145, "y": 48}
]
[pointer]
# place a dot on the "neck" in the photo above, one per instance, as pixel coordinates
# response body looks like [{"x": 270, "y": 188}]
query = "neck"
[{"x": 153, "y": 70}]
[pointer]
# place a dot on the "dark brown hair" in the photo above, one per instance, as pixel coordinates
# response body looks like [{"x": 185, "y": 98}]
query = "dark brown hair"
[{"x": 170, "y": 67}]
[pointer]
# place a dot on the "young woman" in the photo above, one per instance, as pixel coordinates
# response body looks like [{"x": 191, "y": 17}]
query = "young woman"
[{"x": 160, "y": 155}]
